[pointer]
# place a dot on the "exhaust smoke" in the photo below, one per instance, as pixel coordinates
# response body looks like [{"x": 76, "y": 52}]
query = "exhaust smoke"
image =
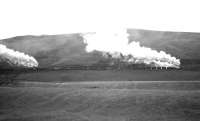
[
  {"x": 16, "y": 58},
  {"x": 116, "y": 44}
]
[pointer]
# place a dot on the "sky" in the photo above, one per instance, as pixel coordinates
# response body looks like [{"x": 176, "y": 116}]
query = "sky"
[{"x": 39, "y": 17}]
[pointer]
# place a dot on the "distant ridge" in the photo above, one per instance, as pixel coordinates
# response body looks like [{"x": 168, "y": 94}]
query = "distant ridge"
[
  {"x": 70, "y": 49},
  {"x": 184, "y": 45}
]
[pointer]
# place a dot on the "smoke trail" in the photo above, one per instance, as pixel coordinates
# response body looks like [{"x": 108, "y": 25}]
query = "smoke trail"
[
  {"x": 15, "y": 58},
  {"x": 116, "y": 44}
]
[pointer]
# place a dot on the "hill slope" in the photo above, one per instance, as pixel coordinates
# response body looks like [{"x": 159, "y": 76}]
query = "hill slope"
[
  {"x": 51, "y": 50},
  {"x": 183, "y": 45}
]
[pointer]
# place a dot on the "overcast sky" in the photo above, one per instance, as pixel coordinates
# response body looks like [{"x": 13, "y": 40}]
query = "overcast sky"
[{"x": 36, "y": 17}]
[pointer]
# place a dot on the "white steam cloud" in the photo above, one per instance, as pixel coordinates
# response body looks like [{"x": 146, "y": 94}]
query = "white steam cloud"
[
  {"x": 116, "y": 44},
  {"x": 15, "y": 58}
]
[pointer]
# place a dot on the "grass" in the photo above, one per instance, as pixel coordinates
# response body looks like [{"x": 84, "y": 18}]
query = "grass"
[
  {"x": 111, "y": 75},
  {"x": 100, "y": 101}
]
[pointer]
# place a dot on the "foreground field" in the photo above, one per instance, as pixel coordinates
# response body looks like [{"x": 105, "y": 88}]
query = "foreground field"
[
  {"x": 101, "y": 101},
  {"x": 110, "y": 75}
]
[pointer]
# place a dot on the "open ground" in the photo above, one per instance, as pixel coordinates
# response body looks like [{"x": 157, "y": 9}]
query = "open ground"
[{"x": 101, "y": 101}]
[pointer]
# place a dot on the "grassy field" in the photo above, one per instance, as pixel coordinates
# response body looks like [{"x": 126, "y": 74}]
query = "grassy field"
[
  {"x": 101, "y": 101},
  {"x": 110, "y": 75}
]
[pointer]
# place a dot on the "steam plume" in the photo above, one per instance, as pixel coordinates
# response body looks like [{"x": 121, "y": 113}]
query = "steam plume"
[
  {"x": 116, "y": 44},
  {"x": 16, "y": 58}
]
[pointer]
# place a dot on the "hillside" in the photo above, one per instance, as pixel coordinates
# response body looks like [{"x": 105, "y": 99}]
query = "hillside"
[
  {"x": 51, "y": 50},
  {"x": 67, "y": 49},
  {"x": 184, "y": 45}
]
